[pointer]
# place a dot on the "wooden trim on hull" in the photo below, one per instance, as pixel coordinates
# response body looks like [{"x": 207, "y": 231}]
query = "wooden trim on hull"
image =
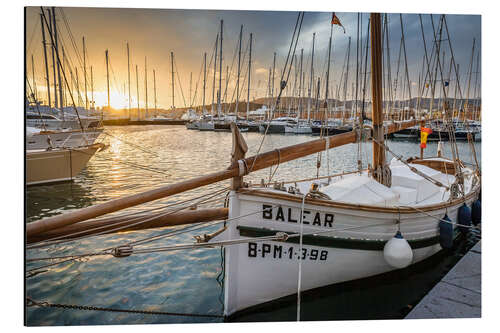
[
  {"x": 336, "y": 242},
  {"x": 379, "y": 209}
]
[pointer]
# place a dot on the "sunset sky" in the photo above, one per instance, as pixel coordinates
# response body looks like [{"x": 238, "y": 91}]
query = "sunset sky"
[{"x": 154, "y": 33}]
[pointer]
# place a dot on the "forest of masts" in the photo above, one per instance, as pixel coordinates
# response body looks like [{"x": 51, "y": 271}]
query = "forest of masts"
[{"x": 310, "y": 93}]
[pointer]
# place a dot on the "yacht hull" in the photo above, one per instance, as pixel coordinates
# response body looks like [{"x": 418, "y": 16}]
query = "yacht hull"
[
  {"x": 57, "y": 165},
  {"x": 273, "y": 129}
]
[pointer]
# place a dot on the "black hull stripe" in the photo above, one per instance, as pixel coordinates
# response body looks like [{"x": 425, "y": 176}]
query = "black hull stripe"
[{"x": 341, "y": 243}]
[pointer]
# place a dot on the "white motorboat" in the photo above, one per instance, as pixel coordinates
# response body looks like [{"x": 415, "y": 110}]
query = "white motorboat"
[
  {"x": 277, "y": 125},
  {"x": 302, "y": 127}
]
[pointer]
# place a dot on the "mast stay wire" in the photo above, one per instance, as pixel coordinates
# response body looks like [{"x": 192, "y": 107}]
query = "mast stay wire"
[
  {"x": 179, "y": 81},
  {"x": 295, "y": 38}
]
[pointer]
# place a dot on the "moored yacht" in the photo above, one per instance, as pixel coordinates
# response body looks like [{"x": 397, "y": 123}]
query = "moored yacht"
[{"x": 277, "y": 125}]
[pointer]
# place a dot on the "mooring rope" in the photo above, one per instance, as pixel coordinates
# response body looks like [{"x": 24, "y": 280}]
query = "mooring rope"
[
  {"x": 108, "y": 251},
  {"x": 413, "y": 169},
  {"x": 299, "y": 280}
]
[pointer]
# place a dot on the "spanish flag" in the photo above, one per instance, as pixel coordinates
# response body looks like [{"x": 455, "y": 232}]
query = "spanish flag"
[
  {"x": 424, "y": 132},
  {"x": 335, "y": 20}
]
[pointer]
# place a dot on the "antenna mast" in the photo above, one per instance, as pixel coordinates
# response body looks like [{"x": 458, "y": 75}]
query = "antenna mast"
[
  {"x": 45, "y": 57},
  {"x": 128, "y": 72},
  {"x": 220, "y": 72},
  {"x": 249, "y": 72},
  {"x": 107, "y": 78},
  {"x": 85, "y": 75},
  {"x": 172, "y": 65}
]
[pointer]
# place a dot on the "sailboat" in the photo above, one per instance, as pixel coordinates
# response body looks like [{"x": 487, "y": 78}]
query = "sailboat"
[
  {"x": 332, "y": 230},
  {"x": 284, "y": 238},
  {"x": 56, "y": 153}
]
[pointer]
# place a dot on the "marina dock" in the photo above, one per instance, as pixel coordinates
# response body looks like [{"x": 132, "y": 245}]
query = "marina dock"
[
  {"x": 126, "y": 121},
  {"x": 458, "y": 294}
]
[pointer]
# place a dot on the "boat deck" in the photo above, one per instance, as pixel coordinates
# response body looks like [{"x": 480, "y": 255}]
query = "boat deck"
[{"x": 408, "y": 188}]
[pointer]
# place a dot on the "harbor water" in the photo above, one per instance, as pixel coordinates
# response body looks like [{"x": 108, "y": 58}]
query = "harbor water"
[{"x": 138, "y": 158}]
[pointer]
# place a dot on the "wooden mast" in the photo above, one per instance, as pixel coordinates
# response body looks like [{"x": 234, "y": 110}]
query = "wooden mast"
[
  {"x": 377, "y": 119},
  {"x": 45, "y": 58}
]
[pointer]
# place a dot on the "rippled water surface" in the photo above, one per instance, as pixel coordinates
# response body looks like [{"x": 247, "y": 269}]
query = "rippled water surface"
[{"x": 144, "y": 157}]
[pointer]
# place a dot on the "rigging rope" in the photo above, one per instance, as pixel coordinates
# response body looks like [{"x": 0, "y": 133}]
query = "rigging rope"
[
  {"x": 299, "y": 279},
  {"x": 283, "y": 84},
  {"x": 57, "y": 240},
  {"x": 131, "y": 144},
  {"x": 179, "y": 81},
  {"x": 413, "y": 169}
]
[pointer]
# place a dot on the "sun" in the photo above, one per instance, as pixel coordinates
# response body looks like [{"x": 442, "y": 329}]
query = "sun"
[{"x": 118, "y": 100}]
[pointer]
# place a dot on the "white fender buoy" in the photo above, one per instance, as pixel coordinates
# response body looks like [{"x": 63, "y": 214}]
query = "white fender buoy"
[{"x": 397, "y": 252}]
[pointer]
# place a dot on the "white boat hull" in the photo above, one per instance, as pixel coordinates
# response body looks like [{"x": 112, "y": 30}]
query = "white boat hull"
[
  {"x": 206, "y": 126},
  {"x": 261, "y": 271},
  {"x": 192, "y": 125},
  {"x": 298, "y": 130}
]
